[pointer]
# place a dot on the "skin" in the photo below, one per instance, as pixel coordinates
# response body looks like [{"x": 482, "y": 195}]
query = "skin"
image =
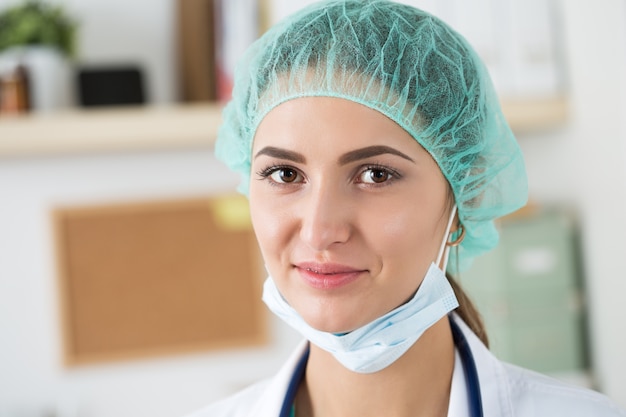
[{"x": 349, "y": 212}]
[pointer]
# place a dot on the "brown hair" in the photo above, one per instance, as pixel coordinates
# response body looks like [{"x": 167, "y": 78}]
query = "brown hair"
[
  {"x": 466, "y": 309},
  {"x": 468, "y": 312}
]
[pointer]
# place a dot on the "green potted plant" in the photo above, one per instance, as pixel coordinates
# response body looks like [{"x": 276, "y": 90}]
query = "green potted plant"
[
  {"x": 37, "y": 23},
  {"x": 39, "y": 40}
]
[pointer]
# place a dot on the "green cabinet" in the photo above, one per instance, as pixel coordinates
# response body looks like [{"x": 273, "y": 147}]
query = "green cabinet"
[{"x": 530, "y": 295}]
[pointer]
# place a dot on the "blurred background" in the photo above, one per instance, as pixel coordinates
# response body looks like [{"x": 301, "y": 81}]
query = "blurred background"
[{"x": 119, "y": 231}]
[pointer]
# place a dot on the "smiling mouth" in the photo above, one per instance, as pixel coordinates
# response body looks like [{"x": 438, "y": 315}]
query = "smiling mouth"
[{"x": 328, "y": 276}]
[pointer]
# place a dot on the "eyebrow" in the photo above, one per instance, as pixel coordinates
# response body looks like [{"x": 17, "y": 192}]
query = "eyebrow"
[
  {"x": 370, "y": 151},
  {"x": 281, "y": 154},
  {"x": 352, "y": 156}
]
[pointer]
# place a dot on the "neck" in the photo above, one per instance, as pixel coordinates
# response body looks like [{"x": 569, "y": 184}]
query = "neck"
[{"x": 417, "y": 384}]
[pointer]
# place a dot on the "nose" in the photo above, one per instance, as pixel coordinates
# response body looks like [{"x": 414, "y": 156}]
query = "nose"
[{"x": 326, "y": 217}]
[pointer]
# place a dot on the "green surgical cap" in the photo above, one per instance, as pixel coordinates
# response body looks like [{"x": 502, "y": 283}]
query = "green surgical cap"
[{"x": 411, "y": 67}]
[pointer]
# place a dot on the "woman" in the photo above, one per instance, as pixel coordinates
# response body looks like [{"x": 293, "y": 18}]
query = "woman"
[{"x": 373, "y": 148}]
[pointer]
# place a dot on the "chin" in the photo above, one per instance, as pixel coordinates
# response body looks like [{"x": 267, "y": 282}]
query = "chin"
[
  {"x": 334, "y": 324},
  {"x": 337, "y": 314}
]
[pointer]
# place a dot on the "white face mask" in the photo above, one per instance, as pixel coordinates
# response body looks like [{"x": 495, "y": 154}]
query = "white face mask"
[{"x": 378, "y": 344}]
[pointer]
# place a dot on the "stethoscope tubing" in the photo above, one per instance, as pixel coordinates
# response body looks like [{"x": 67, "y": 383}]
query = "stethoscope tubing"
[
  {"x": 467, "y": 359},
  {"x": 469, "y": 368}
]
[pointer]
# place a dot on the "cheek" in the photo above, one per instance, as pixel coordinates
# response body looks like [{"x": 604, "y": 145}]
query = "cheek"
[
  {"x": 269, "y": 226},
  {"x": 408, "y": 233},
  {"x": 410, "y": 236}
]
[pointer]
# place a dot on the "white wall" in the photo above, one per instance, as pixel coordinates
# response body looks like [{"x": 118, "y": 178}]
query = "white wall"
[
  {"x": 584, "y": 164},
  {"x": 127, "y": 32},
  {"x": 32, "y": 378},
  {"x": 581, "y": 164}
]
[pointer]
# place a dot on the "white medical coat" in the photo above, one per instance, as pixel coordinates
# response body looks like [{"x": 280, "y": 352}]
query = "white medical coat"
[{"x": 506, "y": 390}]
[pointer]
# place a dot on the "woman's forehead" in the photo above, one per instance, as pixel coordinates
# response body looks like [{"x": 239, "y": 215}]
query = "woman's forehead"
[{"x": 330, "y": 125}]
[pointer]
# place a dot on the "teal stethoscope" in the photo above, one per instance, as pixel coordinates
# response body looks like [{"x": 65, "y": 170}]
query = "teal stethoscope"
[{"x": 467, "y": 359}]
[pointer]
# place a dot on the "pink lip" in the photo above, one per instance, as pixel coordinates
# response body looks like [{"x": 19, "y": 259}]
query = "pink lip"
[{"x": 328, "y": 276}]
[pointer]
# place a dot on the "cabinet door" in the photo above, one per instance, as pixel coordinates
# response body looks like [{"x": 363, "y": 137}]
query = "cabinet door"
[{"x": 529, "y": 293}]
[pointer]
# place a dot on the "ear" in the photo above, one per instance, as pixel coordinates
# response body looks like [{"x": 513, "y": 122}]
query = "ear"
[
  {"x": 456, "y": 223},
  {"x": 456, "y": 229}
]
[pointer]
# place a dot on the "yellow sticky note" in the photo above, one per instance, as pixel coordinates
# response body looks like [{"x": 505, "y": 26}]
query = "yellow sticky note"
[{"x": 232, "y": 212}]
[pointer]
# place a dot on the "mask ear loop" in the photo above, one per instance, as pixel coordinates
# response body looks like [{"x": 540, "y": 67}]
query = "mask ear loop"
[{"x": 444, "y": 248}]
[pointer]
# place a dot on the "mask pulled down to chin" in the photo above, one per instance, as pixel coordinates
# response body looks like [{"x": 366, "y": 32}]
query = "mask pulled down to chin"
[{"x": 381, "y": 342}]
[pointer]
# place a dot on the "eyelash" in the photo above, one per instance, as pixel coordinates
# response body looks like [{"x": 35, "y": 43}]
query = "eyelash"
[
  {"x": 266, "y": 173},
  {"x": 393, "y": 174}
]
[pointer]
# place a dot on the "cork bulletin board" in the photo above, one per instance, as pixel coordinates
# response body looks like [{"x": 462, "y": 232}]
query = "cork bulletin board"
[{"x": 154, "y": 278}]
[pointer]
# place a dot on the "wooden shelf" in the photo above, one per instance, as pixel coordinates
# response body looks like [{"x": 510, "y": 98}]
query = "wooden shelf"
[
  {"x": 180, "y": 127},
  {"x": 119, "y": 129},
  {"x": 525, "y": 116}
]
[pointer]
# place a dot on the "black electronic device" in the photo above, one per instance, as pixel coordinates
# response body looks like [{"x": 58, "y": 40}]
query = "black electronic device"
[{"x": 110, "y": 86}]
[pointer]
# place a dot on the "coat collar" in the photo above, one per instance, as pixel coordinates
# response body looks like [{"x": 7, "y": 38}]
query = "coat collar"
[
  {"x": 271, "y": 401},
  {"x": 494, "y": 386},
  {"x": 494, "y": 383}
]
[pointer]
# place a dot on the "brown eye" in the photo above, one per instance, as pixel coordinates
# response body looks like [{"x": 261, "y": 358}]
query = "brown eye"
[
  {"x": 374, "y": 176},
  {"x": 285, "y": 175},
  {"x": 378, "y": 176}
]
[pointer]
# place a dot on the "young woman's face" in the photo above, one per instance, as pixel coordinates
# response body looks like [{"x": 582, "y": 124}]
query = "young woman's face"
[{"x": 348, "y": 209}]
